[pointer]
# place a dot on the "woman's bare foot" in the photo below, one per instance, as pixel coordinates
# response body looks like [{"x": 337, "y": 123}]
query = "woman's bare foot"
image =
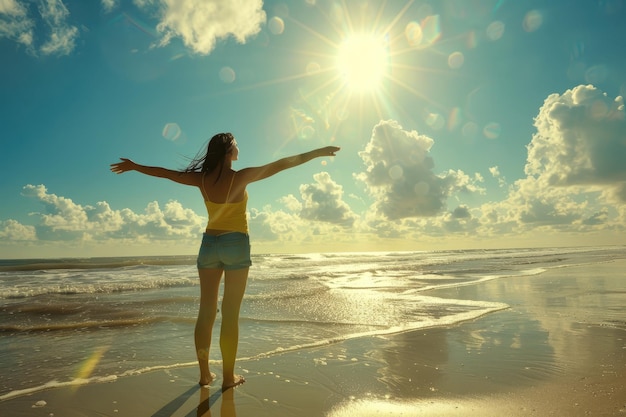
[
  {"x": 231, "y": 383},
  {"x": 204, "y": 382}
]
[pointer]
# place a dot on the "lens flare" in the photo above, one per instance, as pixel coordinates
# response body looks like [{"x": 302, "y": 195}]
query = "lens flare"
[
  {"x": 492, "y": 130},
  {"x": 276, "y": 25},
  {"x": 421, "y": 188},
  {"x": 454, "y": 119},
  {"x": 435, "y": 120},
  {"x": 227, "y": 75},
  {"x": 456, "y": 60},
  {"x": 431, "y": 28},
  {"x": 532, "y": 21},
  {"x": 307, "y": 132},
  {"x": 413, "y": 33},
  {"x": 88, "y": 366},
  {"x": 313, "y": 68},
  {"x": 396, "y": 172},
  {"x": 172, "y": 132},
  {"x": 495, "y": 30}
]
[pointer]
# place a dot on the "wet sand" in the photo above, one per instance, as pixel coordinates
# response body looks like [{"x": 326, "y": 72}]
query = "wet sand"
[{"x": 560, "y": 349}]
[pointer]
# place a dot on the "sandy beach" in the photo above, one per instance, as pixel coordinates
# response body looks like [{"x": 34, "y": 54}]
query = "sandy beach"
[{"x": 560, "y": 349}]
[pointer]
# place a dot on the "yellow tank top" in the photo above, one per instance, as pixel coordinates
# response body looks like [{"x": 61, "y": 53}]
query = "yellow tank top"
[{"x": 230, "y": 217}]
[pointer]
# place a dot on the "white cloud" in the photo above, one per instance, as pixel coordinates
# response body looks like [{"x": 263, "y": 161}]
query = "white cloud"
[
  {"x": 575, "y": 169},
  {"x": 399, "y": 174},
  {"x": 580, "y": 140},
  {"x": 109, "y": 5},
  {"x": 11, "y": 7},
  {"x": 321, "y": 211},
  {"x": 277, "y": 225},
  {"x": 61, "y": 213},
  {"x": 12, "y": 230},
  {"x": 575, "y": 183},
  {"x": 288, "y": 230},
  {"x": 63, "y": 36},
  {"x": 323, "y": 201},
  {"x": 459, "y": 220},
  {"x": 18, "y": 25},
  {"x": 201, "y": 23},
  {"x": 495, "y": 172},
  {"x": 64, "y": 219},
  {"x": 15, "y": 23}
]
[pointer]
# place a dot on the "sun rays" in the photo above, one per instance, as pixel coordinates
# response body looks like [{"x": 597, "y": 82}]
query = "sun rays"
[
  {"x": 350, "y": 65},
  {"x": 354, "y": 64}
]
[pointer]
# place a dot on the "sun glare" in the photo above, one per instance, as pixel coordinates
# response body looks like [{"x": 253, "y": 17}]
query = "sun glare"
[
  {"x": 358, "y": 67},
  {"x": 362, "y": 62}
]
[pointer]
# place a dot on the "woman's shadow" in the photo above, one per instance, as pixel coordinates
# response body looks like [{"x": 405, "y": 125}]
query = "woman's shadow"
[
  {"x": 206, "y": 405},
  {"x": 207, "y": 402}
]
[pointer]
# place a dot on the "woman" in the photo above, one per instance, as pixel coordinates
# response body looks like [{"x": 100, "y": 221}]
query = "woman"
[{"x": 225, "y": 245}]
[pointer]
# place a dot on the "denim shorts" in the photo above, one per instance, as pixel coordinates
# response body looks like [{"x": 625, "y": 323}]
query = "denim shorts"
[{"x": 228, "y": 251}]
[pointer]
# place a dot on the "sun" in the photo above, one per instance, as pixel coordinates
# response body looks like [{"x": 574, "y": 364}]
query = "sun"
[{"x": 362, "y": 61}]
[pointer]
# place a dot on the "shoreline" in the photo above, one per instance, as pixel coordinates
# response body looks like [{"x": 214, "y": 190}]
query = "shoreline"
[{"x": 559, "y": 349}]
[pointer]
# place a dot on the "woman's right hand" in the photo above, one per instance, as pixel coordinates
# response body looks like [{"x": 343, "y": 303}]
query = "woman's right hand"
[{"x": 124, "y": 166}]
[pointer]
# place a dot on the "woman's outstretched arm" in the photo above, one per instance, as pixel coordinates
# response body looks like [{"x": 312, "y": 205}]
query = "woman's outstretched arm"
[
  {"x": 259, "y": 173},
  {"x": 187, "y": 178}
]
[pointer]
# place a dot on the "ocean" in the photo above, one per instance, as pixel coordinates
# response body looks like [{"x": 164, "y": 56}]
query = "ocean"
[{"x": 81, "y": 321}]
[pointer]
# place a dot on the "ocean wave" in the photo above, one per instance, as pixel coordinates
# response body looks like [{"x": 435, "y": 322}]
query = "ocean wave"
[
  {"x": 286, "y": 294},
  {"x": 21, "y": 292},
  {"x": 432, "y": 322},
  {"x": 455, "y": 318},
  {"x": 82, "y": 325},
  {"x": 92, "y": 380},
  {"x": 17, "y": 265}
]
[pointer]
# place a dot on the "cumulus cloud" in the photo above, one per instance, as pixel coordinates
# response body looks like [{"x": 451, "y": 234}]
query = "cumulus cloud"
[
  {"x": 323, "y": 201},
  {"x": 320, "y": 210},
  {"x": 461, "y": 212},
  {"x": 276, "y": 225},
  {"x": 61, "y": 213},
  {"x": 201, "y": 23},
  {"x": 399, "y": 174},
  {"x": 15, "y": 231},
  {"x": 575, "y": 170},
  {"x": 288, "y": 229},
  {"x": 531, "y": 205},
  {"x": 62, "y": 218},
  {"x": 459, "y": 220},
  {"x": 580, "y": 140}
]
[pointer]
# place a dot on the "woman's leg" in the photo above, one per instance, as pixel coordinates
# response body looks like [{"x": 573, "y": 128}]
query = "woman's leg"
[
  {"x": 234, "y": 288},
  {"x": 209, "y": 289}
]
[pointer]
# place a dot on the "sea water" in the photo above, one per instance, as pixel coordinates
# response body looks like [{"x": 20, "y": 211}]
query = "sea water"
[{"x": 77, "y": 321}]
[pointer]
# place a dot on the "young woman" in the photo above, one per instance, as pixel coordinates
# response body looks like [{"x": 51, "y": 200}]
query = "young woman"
[{"x": 225, "y": 245}]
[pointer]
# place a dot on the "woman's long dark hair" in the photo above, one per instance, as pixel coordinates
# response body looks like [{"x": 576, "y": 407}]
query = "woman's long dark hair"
[{"x": 206, "y": 162}]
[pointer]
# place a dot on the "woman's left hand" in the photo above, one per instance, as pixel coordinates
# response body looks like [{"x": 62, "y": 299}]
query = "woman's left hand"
[
  {"x": 328, "y": 150},
  {"x": 124, "y": 166}
]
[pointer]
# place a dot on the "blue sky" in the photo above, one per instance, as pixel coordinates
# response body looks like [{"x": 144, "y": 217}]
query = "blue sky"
[{"x": 463, "y": 124}]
